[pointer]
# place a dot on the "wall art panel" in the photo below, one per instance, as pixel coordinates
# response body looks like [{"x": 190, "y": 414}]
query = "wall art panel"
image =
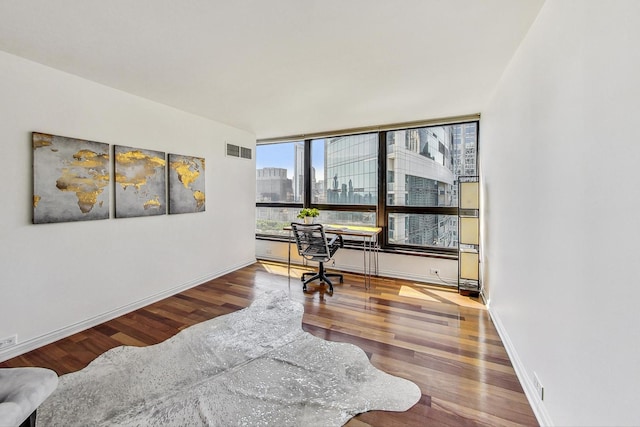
[
  {"x": 186, "y": 184},
  {"x": 70, "y": 179},
  {"x": 140, "y": 182}
]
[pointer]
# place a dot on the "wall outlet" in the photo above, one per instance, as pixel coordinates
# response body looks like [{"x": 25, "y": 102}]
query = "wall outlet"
[
  {"x": 8, "y": 341},
  {"x": 538, "y": 385},
  {"x": 435, "y": 271}
]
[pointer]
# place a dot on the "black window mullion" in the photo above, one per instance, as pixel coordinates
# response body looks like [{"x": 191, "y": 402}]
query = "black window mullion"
[
  {"x": 307, "y": 174},
  {"x": 381, "y": 215},
  {"x": 344, "y": 208}
]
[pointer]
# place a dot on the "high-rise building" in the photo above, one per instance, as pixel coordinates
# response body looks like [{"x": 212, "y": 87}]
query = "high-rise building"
[
  {"x": 351, "y": 169},
  {"x": 419, "y": 173},
  {"x": 298, "y": 171},
  {"x": 273, "y": 185}
]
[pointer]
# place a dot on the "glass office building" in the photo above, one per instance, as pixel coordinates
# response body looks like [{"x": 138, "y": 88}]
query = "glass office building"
[{"x": 351, "y": 169}]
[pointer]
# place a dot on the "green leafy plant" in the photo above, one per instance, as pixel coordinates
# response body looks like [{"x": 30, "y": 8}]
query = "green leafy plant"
[{"x": 312, "y": 212}]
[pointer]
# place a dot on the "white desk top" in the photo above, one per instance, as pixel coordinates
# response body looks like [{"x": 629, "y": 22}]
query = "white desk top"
[{"x": 348, "y": 230}]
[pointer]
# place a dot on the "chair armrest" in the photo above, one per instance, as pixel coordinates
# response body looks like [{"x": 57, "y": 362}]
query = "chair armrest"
[{"x": 333, "y": 240}]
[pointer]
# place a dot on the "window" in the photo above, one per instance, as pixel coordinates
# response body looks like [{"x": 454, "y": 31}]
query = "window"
[
  {"x": 426, "y": 171},
  {"x": 403, "y": 180},
  {"x": 280, "y": 173},
  {"x": 270, "y": 221},
  {"x": 346, "y": 170},
  {"x": 423, "y": 230}
]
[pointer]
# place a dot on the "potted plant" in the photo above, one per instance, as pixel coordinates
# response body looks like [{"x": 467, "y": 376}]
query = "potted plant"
[{"x": 308, "y": 214}]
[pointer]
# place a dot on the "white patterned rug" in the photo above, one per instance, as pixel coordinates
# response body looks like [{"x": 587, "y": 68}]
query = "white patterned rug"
[{"x": 252, "y": 367}]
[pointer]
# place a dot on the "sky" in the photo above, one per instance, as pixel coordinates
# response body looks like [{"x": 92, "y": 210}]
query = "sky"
[{"x": 282, "y": 156}]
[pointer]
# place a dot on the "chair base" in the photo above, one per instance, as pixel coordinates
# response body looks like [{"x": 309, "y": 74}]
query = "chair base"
[{"x": 322, "y": 275}]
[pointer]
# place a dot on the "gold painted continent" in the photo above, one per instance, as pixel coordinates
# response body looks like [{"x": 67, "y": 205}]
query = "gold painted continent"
[
  {"x": 135, "y": 168},
  {"x": 187, "y": 172},
  {"x": 199, "y": 198},
  {"x": 86, "y": 176},
  {"x": 152, "y": 204}
]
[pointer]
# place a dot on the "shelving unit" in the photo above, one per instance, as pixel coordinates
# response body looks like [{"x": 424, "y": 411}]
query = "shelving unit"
[{"x": 469, "y": 235}]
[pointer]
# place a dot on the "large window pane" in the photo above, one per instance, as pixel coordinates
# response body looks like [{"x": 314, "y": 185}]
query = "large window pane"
[
  {"x": 280, "y": 172},
  {"x": 423, "y": 164},
  {"x": 345, "y": 170},
  {"x": 271, "y": 221},
  {"x": 423, "y": 230},
  {"x": 347, "y": 218}
]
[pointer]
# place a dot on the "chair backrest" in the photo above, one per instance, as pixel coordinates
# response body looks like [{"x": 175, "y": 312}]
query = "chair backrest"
[{"x": 311, "y": 241}]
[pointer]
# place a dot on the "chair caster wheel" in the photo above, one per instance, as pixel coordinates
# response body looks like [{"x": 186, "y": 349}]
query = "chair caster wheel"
[{"x": 304, "y": 288}]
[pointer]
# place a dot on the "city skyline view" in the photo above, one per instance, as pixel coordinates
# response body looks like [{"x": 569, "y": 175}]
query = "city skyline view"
[{"x": 422, "y": 168}]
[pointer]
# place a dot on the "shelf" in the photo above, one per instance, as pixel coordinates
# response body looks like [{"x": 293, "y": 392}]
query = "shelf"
[{"x": 469, "y": 235}]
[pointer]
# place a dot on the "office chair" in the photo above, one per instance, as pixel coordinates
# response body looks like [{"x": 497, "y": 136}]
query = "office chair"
[{"x": 313, "y": 245}]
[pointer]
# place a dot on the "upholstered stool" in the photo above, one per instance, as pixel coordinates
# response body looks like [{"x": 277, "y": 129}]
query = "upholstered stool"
[{"x": 22, "y": 390}]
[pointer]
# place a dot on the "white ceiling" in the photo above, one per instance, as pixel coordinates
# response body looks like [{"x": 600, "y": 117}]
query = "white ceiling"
[{"x": 281, "y": 67}]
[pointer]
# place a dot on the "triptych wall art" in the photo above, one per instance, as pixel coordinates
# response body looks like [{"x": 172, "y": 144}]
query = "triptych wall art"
[{"x": 71, "y": 181}]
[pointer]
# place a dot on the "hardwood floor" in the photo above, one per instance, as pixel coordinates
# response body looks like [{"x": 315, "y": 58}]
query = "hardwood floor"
[{"x": 442, "y": 341}]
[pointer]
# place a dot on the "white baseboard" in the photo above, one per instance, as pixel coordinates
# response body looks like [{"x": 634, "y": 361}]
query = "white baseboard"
[
  {"x": 357, "y": 269},
  {"x": 53, "y": 336},
  {"x": 537, "y": 405}
]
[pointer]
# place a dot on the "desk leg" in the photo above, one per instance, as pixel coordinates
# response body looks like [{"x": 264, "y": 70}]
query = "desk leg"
[
  {"x": 367, "y": 246},
  {"x": 289, "y": 258}
]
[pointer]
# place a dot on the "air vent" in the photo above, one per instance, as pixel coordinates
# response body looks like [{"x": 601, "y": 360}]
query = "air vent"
[
  {"x": 233, "y": 150},
  {"x": 237, "y": 151}
]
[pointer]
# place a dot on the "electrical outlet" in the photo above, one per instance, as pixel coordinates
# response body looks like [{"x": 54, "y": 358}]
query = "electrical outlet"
[
  {"x": 8, "y": 341},
  {"x": 538, "y": 385},
  {"x": 435, "y": 271}
]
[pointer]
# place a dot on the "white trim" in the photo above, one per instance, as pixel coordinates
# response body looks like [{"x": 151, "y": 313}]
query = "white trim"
[
  {"x": 537, "y": 405},
  {"x": 422, "y": 278},
  {"x": 56, "y": 335}
]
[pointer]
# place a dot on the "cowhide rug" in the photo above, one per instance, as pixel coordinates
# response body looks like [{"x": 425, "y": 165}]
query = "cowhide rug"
[{"x": 252, "y": 367}]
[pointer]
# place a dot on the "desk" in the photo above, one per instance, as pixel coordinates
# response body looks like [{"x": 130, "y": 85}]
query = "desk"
[{"x": 370, "y": 245}]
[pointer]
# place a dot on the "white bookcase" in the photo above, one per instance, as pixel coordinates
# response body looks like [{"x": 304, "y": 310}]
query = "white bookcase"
[{"x": 469, "y": 235}]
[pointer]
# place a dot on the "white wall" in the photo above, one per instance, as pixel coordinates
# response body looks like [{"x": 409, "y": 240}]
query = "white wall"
[
  {"x": 57, "y": 278},
  {"x": 401, "y": 266},
  {"x": 560, "y": 154}
]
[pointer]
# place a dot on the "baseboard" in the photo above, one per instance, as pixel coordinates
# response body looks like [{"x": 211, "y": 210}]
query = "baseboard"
[
  {"x": 434, "y": 280},
  {"x": 56, "y": 335},
  {"x": 537, "y": 405}
]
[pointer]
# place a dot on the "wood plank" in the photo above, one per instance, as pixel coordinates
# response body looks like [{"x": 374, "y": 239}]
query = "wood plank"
[{"x": 442, "y": 341}]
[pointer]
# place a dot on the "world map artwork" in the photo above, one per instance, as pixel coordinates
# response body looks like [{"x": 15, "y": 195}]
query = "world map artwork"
[
  {"x": 186, "y": 184},
  {"x": 70, "y": 179},
  {"x": 140, "y": 182}
]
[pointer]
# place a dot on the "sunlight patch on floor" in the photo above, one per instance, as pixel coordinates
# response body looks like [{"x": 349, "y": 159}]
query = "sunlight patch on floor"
[
  {"x": 452, "y": 296},
  {"x": 407, "y": 291},
  {"x": 281, "y": 270}
]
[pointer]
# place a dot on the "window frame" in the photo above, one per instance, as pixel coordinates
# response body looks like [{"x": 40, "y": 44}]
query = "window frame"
[{"x": 381, "y": 209}]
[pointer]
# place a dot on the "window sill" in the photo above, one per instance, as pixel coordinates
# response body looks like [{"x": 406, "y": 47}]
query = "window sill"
[{"x": 389, "y": 250}]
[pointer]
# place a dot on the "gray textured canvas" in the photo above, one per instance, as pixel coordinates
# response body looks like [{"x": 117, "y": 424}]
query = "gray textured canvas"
[
  {"x": 140, "y": 188},
  {"x": 186, "y": 184},
  {"x": 70, "y": 179}
]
